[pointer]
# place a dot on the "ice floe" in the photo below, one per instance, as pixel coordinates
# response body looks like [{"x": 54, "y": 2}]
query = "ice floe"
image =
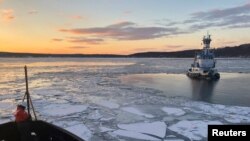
[
  {"x": 49, "y": 92},
  {"x": 173, "y": 140},
  {"x": 135, "y": 135},
  {"x": 76, "y": 127},
  {"x": 233, "y": 114},
  {"x": 94, "y": 115},
  {"x": 62, "y": 109},
  {"x": 80, "y": 130},
  {"x": 173, "y": 111},
  {"x": 4, "y": 121},
  {"x": 137, "y": 112},
  {"x": 7, "y": 104},
  {"x": 195, "y": 130},
  {"x": 154, "y": 128},
  {"x": 106, "y": 129},
  {"x": 109, "y": 104}
]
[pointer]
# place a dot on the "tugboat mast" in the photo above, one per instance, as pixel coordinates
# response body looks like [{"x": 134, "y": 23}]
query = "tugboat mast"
[{"x": 206, "y": 42}]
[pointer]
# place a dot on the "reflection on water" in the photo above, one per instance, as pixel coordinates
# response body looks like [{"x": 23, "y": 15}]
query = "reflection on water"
[
  {"x": 231, "y": 89},
  {"x": 202, "y": 89}
]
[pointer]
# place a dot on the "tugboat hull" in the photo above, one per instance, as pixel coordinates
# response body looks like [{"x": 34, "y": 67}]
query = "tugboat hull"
[{"x": 199, "y": 75}]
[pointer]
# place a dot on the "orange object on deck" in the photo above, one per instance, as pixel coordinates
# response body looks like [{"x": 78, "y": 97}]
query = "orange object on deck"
[{"x": 21, "y": 115}]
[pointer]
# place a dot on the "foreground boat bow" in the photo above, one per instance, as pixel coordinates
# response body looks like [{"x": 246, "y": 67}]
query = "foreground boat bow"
[
  {"x": 39, "y": 131},
  {"x": 34, "y": 130}
]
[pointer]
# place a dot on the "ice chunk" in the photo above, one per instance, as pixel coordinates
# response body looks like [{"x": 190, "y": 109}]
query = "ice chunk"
[
  {"x": 154, "y": 128},
  {"x": 63, "y": 109},
  {"x": 233, "y": 114},
  {"x": 237, "y": 118},
  {"x": 7, "y": 104},
  {"x": 109, "y": 104},
  {"x": 137, "y": 112},
  {"x": 65, "y": 122},
  {"x": 195, "y": 130},
  {"x": 49, "y": 91},
  {"x": 107, "y": 119},
  {"x": 94, "y": 115},
  {"x": 173, "y": 111},
  {"x": 105, "y": 129},
  {"x": 2, "y": 121},
  {"x": 135, "y": 135},
  {"x": 173, "y": 140},
  {"x": 80, "y": 130}
]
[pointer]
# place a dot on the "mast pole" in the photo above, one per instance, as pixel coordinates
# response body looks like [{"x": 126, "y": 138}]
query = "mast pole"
[{"x": 27, "y": 90}]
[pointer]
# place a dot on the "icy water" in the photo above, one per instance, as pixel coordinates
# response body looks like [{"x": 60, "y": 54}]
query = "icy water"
[
  {"x": 231, "y": 89},
  {"x": 127, "y": 99}
]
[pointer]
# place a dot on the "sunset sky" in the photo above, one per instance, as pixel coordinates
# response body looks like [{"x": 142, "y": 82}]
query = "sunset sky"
[{"x": 120, "y": 26}]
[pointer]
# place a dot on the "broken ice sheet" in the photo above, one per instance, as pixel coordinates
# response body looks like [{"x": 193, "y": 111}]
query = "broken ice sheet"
[
  {"x": 195, "y": 130},
  {"x": 173, "y": 140},
  {"x": 49, "y": 92},
  {"x": 2, "y": 121},
  {"x": 109, "y": 104},
  {"x": 7, "y": 104},
  {"x": 106, "y": 129},
  {"x": 154, "y": 128},
  {"x": 233, "y": 114},
  {"x": 135, "y": 135},
  {"x": 137, "y": 112},
  {"x": 94, "y": 115},
  {"x": 74, "y": 126},
  {"x": 80, "y": 130},
  {"x": 173, "y": 111},
  {"x": 62, "y": 109}
]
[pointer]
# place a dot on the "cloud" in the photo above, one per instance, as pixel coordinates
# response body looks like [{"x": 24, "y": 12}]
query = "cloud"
[
  {"x": 7, "y": 15},
  {"x": 144, "y": 49},
  {"x": 222, "y": 13},
  {"x": 166, "y": 22},
  {"x": 125, "y": 31},
  {"x": 174, "y": 46},
  {"x": 32, "y": 12},
  {"x": 240, "y": 26},
  {"x": 77, "y": 17},
  {"x": 128, "y": 12},
  {"x": 85, "y": 40},
  {"x": 234, "y": 17},
  {"x": 57, "y": 39},
  {"x": 78, "y": 47}
]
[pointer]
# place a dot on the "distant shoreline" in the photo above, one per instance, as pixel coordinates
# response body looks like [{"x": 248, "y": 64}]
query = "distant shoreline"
[{"x": 241, "y": 51}]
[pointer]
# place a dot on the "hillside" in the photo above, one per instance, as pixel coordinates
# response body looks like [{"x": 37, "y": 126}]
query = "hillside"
[{"x": 236, "y": 51}]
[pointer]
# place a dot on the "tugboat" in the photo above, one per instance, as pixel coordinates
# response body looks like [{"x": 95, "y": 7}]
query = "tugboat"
[{"x": 203, "y": 66}]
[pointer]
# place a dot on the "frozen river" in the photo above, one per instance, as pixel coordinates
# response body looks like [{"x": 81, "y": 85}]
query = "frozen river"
[{"x": 127, "y": 99}]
